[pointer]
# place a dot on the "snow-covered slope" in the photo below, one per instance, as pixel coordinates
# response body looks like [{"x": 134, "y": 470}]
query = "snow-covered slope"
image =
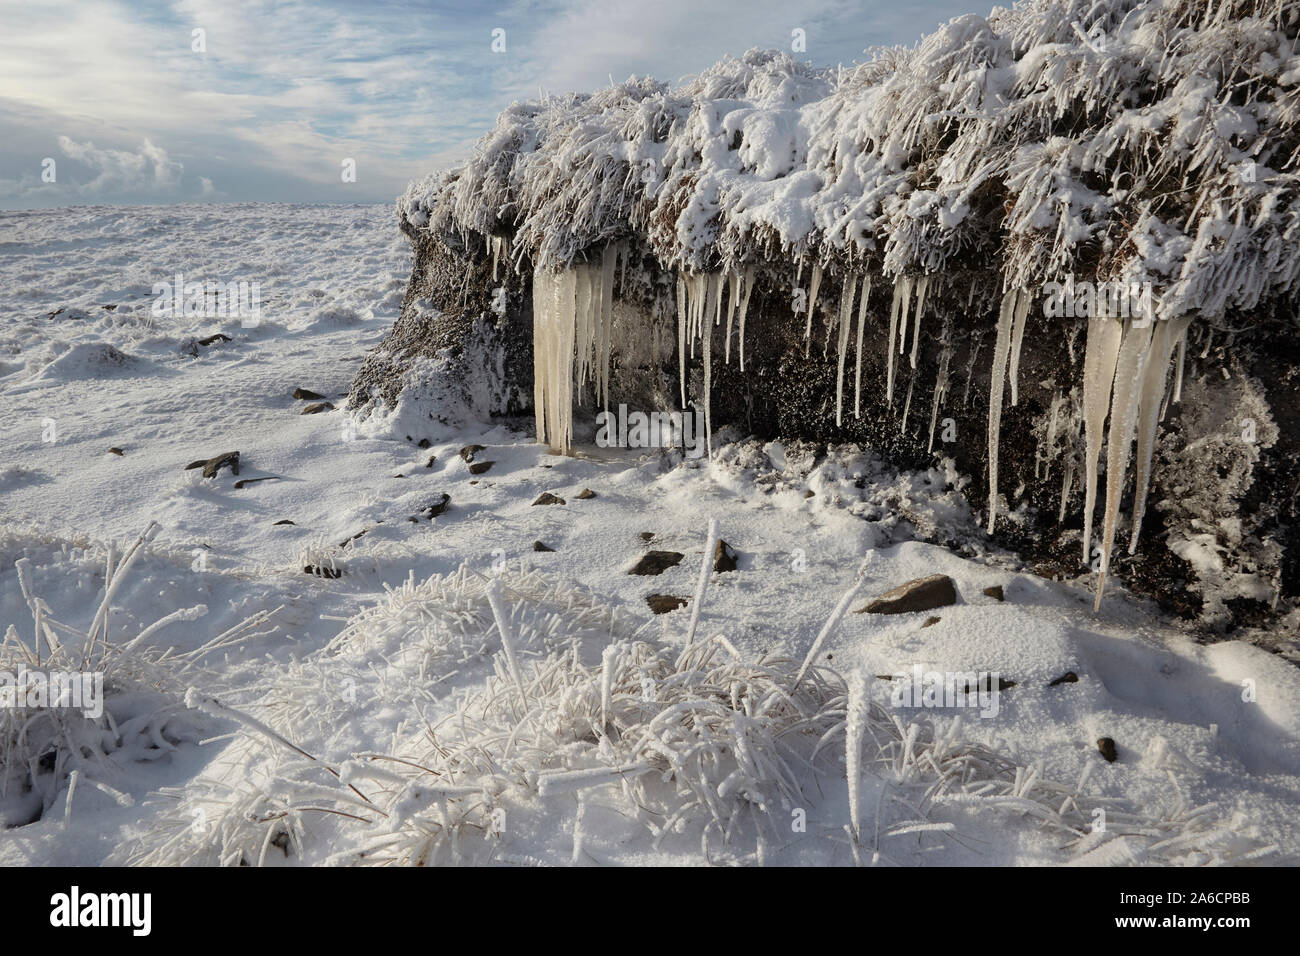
[{"x": 596, "y": 739}]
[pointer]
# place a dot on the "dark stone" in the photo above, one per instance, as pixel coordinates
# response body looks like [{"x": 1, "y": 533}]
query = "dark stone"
[
  {"x": 422, "y": 443},
  {"x": 656, "y": 562},
  {"x": 469, "y": 451},
  {"x": 317, "y": 408},
  {"x": 213, "y": 465},
  {"x": 282, "y": 521},
  {"x": 116, "y": 451},
  {"x": 322, "y": 572},
  {"x": 1107, "y": 747},
  {"x": 922, "y": 594},
  {"x": 584, "y": 494},
  {"x": 478, "y": 467},
  {"x": 431, "y": 511},
  {"x": 546, "y": 498},
  {"x": 538, "y": 546},
  {"x": 930, "y": 621},
  {"x": 347, "y": 541},
  {"x": 647, "y": 535},
  {"x": 724, "y": 557},
  {"x": 209, "y": 339},
  {"x": 663, "y": 603},
  {"x": 810, "y": 493},
  {"x": 106, "y": 308},
  {"x": 307, "y": 394},
  {"x": 429, "y": 463},
  {"x": 995, "y": 592},
  {"x": 1069, "y": 677}
]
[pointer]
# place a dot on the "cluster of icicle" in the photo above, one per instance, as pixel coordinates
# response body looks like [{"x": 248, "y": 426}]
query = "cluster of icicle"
[
  {"x": 699, "y": 309},
  {"x": 572, "y": 339},
  {"x": 1125, "y": 370}
]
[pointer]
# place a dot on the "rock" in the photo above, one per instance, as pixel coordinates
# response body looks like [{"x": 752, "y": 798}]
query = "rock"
[
  {"x": 1069, "y": 677},
  {"x": 922, "y": 594},
  {"x": 647, "y": 535},
  {"x": 282, "y": 521},
  {"x": 306, "y": 394},
  {"x": 584, "y": 494},
  {"x": 538, "y": 546},
  {"x": 106, "y": 308},
  {"x": 724, "y": 557},
  {"x": 209, "y": 339},
  {"x": 429, "y": 463},
  {"x": 317, "y": 408},
  {"x": 422, "y": 443},
  {"x": 431, "y": 511},
  {"x": 663, "y": 603},
  {"x": 322, "y": 572},
  {"x": 810, "y": 493},
  {"x": 656, "y": 562},
  {"x": 213, "y": 465},
  {"x": 546, "y": 498},
  {"x": 1107, "y": 747},
  {"x": 478, "y": 467},
  {"x": 995, "y": 592},
  {"x": 930, "y": 621},
  {"x": 469, "y": 451},
  {"x": 399, "y": 475},
  {"x": 116, "y": 451}
]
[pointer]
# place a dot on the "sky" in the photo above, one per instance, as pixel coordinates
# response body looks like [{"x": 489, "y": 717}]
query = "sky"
[{"x": 106, "y": 101}]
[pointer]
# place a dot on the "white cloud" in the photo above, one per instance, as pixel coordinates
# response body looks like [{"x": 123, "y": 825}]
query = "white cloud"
[{"x": 149, "y": 170}]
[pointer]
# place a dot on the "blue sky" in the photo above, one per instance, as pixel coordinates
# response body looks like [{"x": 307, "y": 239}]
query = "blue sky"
[{"x": 279, "y": 94}]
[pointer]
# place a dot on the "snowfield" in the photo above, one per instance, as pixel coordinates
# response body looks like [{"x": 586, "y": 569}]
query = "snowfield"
[{"x": 438, "y": 691}]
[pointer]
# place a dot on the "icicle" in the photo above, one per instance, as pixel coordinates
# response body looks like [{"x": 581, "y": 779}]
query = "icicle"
[
  {"x": 1154, "y": 375},
  {"x": 845, "y": 320},
  {"x": 902, "y": 292},
  {"x": 715, "y": 292},
  {"x": 1019, "y": 321},
  {"x": 554, "y": 327},
  {"x": 909, "y": 284},
  {"x": 1182, "y": 356},
  {"x": 744, "y": 307},
  {"x": 1065, "y": 491},
  {"x": 733, "y": 295},
  {"x": 1123, "y": 415},
  {"x": 921, "y": 287},
  {"x": 813, "y": 286},
  {"x": 996, "y": 383},
  {"x": 941, "y": 382},
  {"x": 681, "y": 335},
  {"x": 605, "y": 338},
  {"x": 1099, "y": 358},
  {"x": 493, "y": 242},
  {"x": 857, "y": 358},
  {"x": 907, "y": 405}
]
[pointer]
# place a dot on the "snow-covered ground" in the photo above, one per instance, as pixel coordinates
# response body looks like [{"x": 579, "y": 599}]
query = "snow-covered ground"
[{"x": 363, "y": 667}]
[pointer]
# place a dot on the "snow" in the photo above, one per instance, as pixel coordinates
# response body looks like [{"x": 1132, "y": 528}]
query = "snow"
[{"x": 457, "y": 617}]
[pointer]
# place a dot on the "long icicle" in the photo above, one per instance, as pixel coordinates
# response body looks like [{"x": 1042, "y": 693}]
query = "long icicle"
[
  {"x": 846, "y": 322},
  {"x": 857, "y": 356},
  {"x": 1123, "y": 416},
  {"x": 921, "y": 286},
  {"x": 996, "y": 382},
  {"x": 744, "y": 307},
  {"x": 1019, "y": 321},
  {"x": 1154, "y": 376},
  {"x": 813, "y": 286},
  {"x": 1100, "y": 354},
  {"x": 681, "y": 335}
]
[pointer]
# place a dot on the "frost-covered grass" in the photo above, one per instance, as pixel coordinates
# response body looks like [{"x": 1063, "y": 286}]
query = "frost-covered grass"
[
  {"x": 693, "y": 749},
  {"x": 129, "y": 695}
]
